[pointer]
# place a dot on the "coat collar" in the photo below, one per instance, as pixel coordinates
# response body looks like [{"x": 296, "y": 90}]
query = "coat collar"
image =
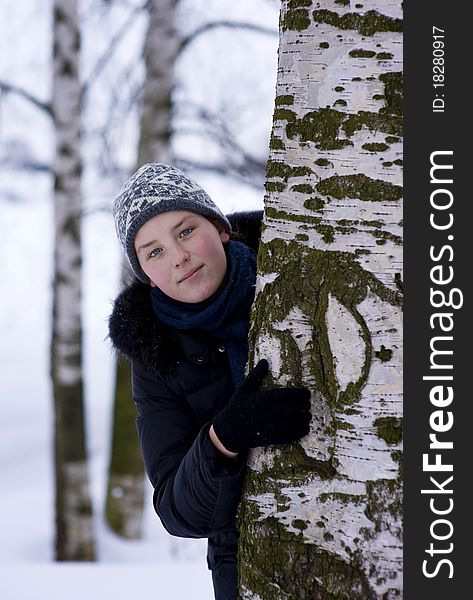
[{"x": 137, "y": 333}]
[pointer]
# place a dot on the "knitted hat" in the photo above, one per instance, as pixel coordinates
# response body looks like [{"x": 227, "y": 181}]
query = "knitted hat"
[{"x": 156, "y": 188}]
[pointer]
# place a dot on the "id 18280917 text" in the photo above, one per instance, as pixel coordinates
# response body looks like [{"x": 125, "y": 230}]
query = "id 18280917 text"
[{"x": 438, "y": 69}]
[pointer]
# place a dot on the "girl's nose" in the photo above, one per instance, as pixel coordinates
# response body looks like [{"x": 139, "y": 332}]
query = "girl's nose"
[{"x": 180, "y": 256}]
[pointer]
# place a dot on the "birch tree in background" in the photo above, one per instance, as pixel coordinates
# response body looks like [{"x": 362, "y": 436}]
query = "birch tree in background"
[
  {"x": 322, "y": 518},
  {"x": 125, "y": 494},
  {"x": 74, "y": 533}
]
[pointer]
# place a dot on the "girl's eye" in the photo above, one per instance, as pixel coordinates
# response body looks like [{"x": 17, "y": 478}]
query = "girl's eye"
[
  {"x": 154, "y": 252},
  {"x": 185, "y": 232}
]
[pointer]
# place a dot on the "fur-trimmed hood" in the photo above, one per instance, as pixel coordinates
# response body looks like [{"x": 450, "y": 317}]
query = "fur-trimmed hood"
[{"x": 137, "y": 333}]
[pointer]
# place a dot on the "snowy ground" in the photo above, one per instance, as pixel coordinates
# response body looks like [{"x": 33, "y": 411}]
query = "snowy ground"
[{"x": 120, "y": 582}]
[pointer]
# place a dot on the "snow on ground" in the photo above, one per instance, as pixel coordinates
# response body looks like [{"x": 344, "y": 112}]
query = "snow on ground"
[{"x": 118, "y": 582}]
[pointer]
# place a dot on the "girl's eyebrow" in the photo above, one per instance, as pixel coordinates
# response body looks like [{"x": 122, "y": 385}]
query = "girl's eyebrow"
[{"x": 176, "y": 226}]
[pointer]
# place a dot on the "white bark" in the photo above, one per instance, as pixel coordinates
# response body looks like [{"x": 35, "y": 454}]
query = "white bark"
[
  {"x": 161, "y": 50},
  {"x": 67, "y": 201},
  {"x": 349, "y": 513},
  {"x": 74, "y": 535}
]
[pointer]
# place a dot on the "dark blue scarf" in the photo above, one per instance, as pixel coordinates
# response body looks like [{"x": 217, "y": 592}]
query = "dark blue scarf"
[{"x": 226, "y": 314}]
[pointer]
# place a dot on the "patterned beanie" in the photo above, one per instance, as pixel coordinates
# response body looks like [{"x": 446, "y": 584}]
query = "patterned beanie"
[{"x": 156, "y": 188}]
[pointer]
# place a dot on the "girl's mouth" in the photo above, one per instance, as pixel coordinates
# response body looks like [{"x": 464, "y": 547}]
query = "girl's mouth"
[{"x": 190, "y": 274}]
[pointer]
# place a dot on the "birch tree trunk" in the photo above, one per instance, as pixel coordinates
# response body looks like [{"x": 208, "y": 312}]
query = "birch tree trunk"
[
  {"x": 74, "y": 534},
  {"x": 125, "y": 493},
  {"x": 321, "y": 519}
]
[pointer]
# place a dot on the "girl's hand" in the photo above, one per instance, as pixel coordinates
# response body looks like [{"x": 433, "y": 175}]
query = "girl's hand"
[{"x": 255, "y": 417}]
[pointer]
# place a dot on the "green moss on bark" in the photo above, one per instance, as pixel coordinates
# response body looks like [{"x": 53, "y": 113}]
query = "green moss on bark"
[
  {"x": 384, "y": 236},
  {"x": 384, "y": 497},
  {"x": 292, "y": 4},
  {"x": 282, "y": 565},
  {"x": 274, "y": 186},
  {"x": 330, "y": 129},
  {"x": 393, "y": 93},
  {"x": 284, "y": 171},
  {"x": 296, "y": 19},
  {"x": 375, "y": 147},
  {"x": 303, "y": 188},
  {"x": 389, "y": 429},
  {"x": 273, "y": 213},
  {"x": 287, "y": 100},
  {"x": 314, "y": 204},
  {"x": 384, "y": 56},
  {"x": 381, "y": 121},
  {"x": 384, "y": 354},
  {"x": 361, "y": 187},
  {"x": 366, "y": 24},
  {"x": 361, "y": 53},
  {"x": 284, "y": 114},
  {"x": 319, "y": 274},
  {"x": 321, "y": 127},
  {"x": 276, "y": 143},
  {"x": 299, "y": 524},
  {"x": 125, "y": 487}
]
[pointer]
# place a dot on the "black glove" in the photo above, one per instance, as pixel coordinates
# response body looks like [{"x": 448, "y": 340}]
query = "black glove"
[{"x": 255, "y": 417}]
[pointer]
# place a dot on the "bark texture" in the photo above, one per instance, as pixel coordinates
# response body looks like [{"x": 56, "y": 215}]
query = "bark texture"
[
  {"x": 74, "y": 532},
  {"x": 161, "y": 50},
  {"x": 322, "y": 519},
  {"x": 125, "y": 495}
]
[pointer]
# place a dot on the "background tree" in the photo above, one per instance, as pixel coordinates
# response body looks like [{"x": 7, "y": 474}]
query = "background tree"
[
  {"x": 125, "y": 492},
  {"x": 322, "y": 519},
  {"x": 74, "y": 531}
]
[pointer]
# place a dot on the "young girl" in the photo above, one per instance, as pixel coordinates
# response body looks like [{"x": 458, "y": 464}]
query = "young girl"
[{"x": 184, "y": 323}]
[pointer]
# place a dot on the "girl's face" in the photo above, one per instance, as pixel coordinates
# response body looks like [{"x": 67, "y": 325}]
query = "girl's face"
[{"x": 182, "y": 253}]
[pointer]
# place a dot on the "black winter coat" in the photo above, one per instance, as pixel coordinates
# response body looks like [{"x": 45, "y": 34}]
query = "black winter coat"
[{"x": 181, "y": 379}]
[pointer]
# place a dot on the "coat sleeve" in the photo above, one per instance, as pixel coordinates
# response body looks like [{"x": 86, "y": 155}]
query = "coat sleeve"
[{"x": 196, "y": 488}]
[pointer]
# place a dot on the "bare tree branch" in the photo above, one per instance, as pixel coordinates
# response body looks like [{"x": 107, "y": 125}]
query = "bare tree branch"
[
  {"x": 236, "y": 172},
  {"x": 237, "y": 158},
  {"x": 26, "y": 164},
  {"x": 112, "y": 46},
  {"x": 8, "y": 88},
  {"x": 123, "y": 101},
  {"x": 228, "y": 24}
]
